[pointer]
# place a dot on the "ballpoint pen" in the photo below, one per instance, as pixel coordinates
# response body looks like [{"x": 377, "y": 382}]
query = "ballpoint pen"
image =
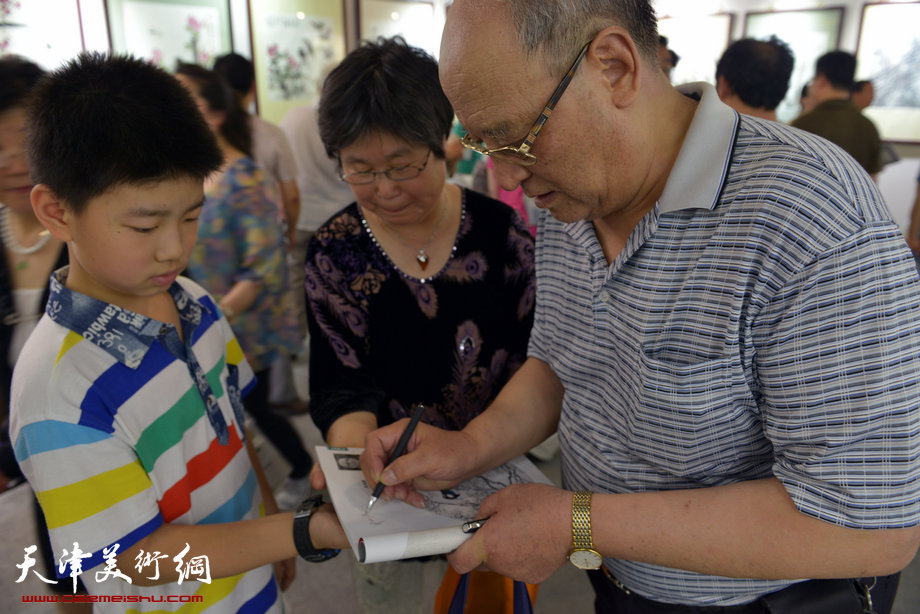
[{"x": 397, "y": 452}]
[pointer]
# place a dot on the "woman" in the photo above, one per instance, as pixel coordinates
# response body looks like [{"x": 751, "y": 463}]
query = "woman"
[
  {"x": 28, "y": 258},
  {"x": 420, "y": 291},
  {"x": 240, "y": 258}
]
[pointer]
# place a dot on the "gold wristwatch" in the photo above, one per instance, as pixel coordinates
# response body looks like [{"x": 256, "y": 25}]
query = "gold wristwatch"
[{"x": 583, "y": 554}]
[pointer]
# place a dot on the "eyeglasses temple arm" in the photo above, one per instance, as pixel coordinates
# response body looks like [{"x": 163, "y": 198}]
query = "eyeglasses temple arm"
[{"x": 548, "y": 109}]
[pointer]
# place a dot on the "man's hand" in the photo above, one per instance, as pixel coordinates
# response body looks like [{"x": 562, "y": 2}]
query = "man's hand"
[
  {"x": 914, "y": 243},
  {"x": 434, "y": 459},
  {"x": 527, "y": 537}
]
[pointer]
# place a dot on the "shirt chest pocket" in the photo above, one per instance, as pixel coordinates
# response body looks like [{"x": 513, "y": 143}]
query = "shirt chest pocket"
[{"x": 696, "y": 420}]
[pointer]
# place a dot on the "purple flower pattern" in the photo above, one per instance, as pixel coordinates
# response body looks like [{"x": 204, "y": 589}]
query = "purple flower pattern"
[{"x": 382, "y": 341}]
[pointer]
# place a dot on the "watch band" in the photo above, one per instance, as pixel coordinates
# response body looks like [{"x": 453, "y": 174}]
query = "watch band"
[
  {"x": 302, "y": 541},
  {"x": 583, "y": 554},
  {"x": 581, "y": 521}
]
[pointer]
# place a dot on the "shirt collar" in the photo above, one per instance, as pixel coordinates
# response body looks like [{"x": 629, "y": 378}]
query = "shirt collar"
[
  {"x": 124, "y": 334},
  {"x": 834, "y": 104},
  {"x": 702, "y": 163}
]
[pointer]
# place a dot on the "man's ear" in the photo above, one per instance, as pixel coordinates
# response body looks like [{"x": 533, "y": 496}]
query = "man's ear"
[
  {"x": 51, "y": 212},
  {"x": 723, "y": 89},
  {"x": 819, "y": 83},
  {"x": 614, "y": 51}
]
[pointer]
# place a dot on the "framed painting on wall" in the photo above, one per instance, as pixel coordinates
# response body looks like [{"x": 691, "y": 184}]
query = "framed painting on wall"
[
  {"x": 294, "y": 43},
  {"x": 889, "y": 55},
  {"x": 164, "y": 31},
  {"x": 810, "y": 33},
  {"x": 414, "y": 21},
  {"x": 699, "y": 42},
  {"x": 26, "y": 30}
]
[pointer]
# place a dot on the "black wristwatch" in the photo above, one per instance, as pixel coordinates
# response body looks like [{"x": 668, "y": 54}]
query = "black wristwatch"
[{"x": 302, "y": 541}]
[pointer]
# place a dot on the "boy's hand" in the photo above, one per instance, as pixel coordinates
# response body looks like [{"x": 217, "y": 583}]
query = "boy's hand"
[
  {"x": 325, "y": 529},
  {"x": 285, "y": 571}
]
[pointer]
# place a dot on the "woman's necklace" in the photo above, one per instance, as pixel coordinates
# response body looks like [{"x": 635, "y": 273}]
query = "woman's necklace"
[
  {"x": 10, "y": 242},
  {"x": 421, "y": 256}
]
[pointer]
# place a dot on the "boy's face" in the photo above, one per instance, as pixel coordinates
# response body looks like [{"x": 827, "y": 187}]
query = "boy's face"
[{"x": 129, "y": 244}]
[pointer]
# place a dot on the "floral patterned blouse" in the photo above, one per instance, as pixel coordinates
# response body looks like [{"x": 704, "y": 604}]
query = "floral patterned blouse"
[
  {"x": 240, "y": 238},
  {"x": 382, "y": 341}
]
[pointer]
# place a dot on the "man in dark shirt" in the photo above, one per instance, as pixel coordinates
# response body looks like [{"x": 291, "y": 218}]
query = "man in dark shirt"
[{"x": 835, "y": 117}]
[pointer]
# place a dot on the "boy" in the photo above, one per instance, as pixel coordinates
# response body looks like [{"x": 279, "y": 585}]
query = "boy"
[{"x": 126, "y": 411}]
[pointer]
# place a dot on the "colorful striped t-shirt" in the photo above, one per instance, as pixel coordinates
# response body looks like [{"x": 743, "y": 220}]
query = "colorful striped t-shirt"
[{"x": 120, "y": 425}]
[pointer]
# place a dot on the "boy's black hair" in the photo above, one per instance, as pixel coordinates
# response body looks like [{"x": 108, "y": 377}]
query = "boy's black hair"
[
  {"x": 211, "y": 87},
  {"x": 237, "y": 70},
  {"x": 757, "y": 71},
  {"x": 18, "y": 76},
  {"x": 389, "y": 87},
  {"x": 102, "y": 121},
  {"x": 838, "y": 67}
]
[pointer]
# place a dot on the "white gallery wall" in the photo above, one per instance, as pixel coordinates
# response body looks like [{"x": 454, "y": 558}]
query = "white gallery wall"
[{"x": 898, "y": 180}]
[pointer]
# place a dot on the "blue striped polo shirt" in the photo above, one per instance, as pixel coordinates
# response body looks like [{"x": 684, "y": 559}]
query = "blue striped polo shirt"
[{"x": 761, "y": 321}]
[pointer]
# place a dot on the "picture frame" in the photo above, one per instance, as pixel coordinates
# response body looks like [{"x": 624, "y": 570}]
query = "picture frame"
[
  {"x": 888, "y": 54},
  {"x": 26, "y": 31},
  {"x": 294, "y": 44},
  {"x": 810, "y": 33},
  {"x": 164, "y": 31},
  {"x": 414, "y": 20},
  {"x": 699, "y": 41}
]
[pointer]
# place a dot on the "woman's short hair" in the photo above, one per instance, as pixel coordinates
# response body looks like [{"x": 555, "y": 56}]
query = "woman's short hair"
[
  {"x": 18, "y": 76},
  {"x": 384, "y": 86}
]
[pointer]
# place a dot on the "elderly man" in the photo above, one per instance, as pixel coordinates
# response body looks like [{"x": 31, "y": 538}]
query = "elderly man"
[
  {"x": 725, "y": 335},
  {"x": 752, "y": 76}
]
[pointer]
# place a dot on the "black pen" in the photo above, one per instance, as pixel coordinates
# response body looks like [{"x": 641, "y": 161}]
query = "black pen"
[
  {"x": 473, "y": 525},
  {"x": 397, "y": 452}
]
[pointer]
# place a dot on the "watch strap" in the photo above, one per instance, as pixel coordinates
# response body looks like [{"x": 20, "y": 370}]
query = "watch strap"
[
  {"x": 581, "y": 521},
  {"x": 302, "y": 541}
]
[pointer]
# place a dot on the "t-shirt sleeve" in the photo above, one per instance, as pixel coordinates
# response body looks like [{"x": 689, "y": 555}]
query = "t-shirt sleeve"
[
  {"x": 838, "y": 375},
  {"x": 90, "y": 483}
]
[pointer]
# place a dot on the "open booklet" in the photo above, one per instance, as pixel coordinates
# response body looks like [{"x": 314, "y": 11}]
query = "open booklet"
[{"x": 396, "y": 530}]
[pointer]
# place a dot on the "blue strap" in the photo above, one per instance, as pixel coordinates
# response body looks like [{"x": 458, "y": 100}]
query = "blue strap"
[
  {"x": 522, "y": 603},
  {"x": 458, "y": 603}
]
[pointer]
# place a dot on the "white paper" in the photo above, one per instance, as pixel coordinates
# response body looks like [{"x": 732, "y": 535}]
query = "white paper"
[{"x": 396, "y": 530}]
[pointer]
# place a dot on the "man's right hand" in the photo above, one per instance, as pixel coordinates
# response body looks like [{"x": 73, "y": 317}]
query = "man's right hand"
[{"x": 435, "y": 459}]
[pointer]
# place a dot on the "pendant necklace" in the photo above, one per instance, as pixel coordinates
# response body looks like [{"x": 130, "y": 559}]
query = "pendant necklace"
[
  {"x": 15, "y": 246},
  {"x": 421, "y": 256}
]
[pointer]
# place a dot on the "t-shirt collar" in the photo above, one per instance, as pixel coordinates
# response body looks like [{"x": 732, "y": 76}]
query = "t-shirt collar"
[
  {"x": 702, "y": 163},
  {"x": 124, "y": 334}
]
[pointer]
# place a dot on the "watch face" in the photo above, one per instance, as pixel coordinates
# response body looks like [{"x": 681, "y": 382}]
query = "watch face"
[{"x": 586, "y": 559}]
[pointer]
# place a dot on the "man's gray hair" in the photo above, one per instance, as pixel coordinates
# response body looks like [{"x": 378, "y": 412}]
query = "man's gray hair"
[{"x": 557, "y": 29}]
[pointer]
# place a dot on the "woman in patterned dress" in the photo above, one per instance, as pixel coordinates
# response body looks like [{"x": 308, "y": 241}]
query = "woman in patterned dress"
[{"x": 420, "y": 291}]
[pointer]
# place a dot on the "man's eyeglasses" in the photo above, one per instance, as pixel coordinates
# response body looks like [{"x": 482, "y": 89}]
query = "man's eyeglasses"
[
  {"x": 521, "y": 154},
  {"x": 397, "y": 173}
]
